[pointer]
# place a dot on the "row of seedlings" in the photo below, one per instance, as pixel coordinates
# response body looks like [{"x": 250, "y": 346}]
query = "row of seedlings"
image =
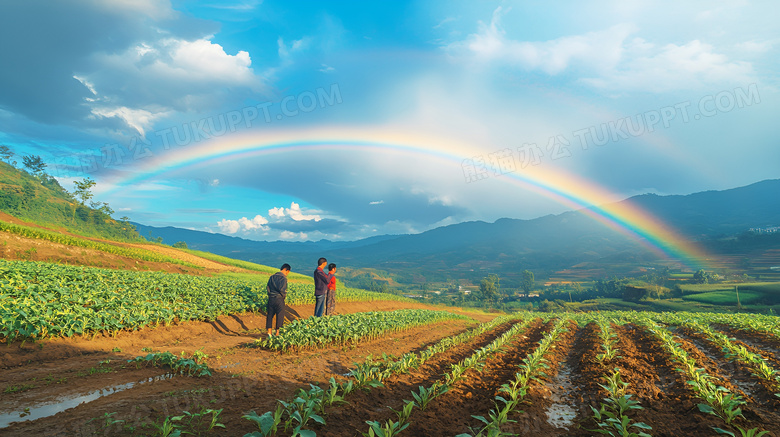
[
  {"x": 531, "y": 369},
  {"x": 762, "y": 323},
  {"x": 424, "y": 396},
  {"x": 758, "y": 365},
  {"x": 309, "y": 405},
  {"x": 718, "y": 400},
  {"x": 612, "y": 415},
  {"x": 350, "y": 329}
]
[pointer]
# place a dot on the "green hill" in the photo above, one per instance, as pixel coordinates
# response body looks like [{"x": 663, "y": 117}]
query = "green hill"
[{"x": 40, "y": 199}]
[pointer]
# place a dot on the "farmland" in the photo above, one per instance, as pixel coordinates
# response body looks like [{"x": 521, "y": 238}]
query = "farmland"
[{"x": 524, "y": 374}]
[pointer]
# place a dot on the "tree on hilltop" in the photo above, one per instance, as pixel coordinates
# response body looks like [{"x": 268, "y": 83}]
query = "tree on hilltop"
[
  {"x": 82, "y": 189},
  {"x": 34, "y": 164},
  {"x": 6, "y": 154}
]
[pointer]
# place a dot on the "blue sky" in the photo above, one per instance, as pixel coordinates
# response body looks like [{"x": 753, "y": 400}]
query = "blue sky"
[{"x": 631, "y": 96}]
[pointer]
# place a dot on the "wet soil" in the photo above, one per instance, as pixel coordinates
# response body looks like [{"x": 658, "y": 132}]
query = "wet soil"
[
  {"x": 245, "y": 378},
  {"x": 248, "y": 379}
]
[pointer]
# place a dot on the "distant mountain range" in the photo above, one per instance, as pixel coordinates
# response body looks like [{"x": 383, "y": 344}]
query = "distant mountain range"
[{"x": 544, "y": 245}]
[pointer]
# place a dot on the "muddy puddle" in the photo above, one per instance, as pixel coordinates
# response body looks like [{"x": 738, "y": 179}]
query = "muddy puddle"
[
  {"x": 561, "y": 413},
  {"x": 34, "y": 412}
]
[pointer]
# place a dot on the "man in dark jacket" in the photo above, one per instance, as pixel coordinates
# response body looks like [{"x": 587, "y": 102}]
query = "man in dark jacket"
[
  {"x": 277, "y": 292},
  {"x": 321, "y": 280}
]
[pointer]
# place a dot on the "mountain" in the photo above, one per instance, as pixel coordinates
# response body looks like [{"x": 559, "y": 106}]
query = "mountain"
[
  {"x": 546, "y": 245},
  {"x": 714, "y": 213},
  {"x": 219, "y": 243}
]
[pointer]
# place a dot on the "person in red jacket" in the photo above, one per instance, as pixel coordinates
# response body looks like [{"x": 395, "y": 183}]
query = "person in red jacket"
[
  {"x": 321, "y": 280},
  {"x": 330, "y": 300}
]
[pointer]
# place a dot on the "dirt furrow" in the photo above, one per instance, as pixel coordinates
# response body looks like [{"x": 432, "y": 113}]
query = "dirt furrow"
[
  {"x": 350, "y": 420},
  {"x": 450, "y": 414},
  {"x": 762, "y": 404},
  {"x": 533, "y": 419}
]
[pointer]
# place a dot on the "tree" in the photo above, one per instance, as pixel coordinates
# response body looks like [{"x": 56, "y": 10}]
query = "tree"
[
  {"x": 82, "y": 189},
  {"x": 34, "y": 163},
  {"x": 6, "y": 153},
  {"x": 488, "y": 288},
  {"x": 700, "y": 277},
  {"x": 527, "y": 282},
  {"x": 180, "y": 245}
]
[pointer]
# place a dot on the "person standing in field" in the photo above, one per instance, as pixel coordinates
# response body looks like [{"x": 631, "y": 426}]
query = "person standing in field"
[
  {"x": 330, "y": 300},
  {"x": 321, "y": 280},
  {"x": 277, "y": 292}
]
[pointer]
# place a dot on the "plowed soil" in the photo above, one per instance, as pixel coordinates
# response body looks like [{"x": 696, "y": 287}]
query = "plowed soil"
[
  {"x": 245, "y": 378},
  {"x": 248, "y": 379}
]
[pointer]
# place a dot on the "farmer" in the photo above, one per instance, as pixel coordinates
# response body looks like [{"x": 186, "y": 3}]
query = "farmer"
[
  {"x": 277, "y": 292},
  {"x": 330, "y": 301},
  {"x": 321, "y": 280}
]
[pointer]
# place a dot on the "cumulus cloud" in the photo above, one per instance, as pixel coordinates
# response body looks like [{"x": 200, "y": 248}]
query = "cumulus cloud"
[
  {"x": 281, "y": 223},
  {"x": 243, "y": 225},
  {"x": 609, "y": 58},
  {"x": 119, "y": 65},
  {"x": 287, "y": 235},
  {"x": 673, "y": 67},
  {"x": 229, "y": 226},
  {"x": 594, "y": 50},
  {"x": 165, "y": 75},
  {"x": 294, "y": 212}
]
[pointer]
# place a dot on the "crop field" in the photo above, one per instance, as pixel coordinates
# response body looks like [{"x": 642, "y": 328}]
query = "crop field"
[
  {"x": 39, "y": 300},
  {"x": 440, "y": 373}
]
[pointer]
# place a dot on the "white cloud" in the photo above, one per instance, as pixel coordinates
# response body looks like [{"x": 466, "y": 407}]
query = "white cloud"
[
  {"x": 609, "y": 59},
  {"x": 138, "y": 119},
  {"x": 287, "y": 235},
  {"x": 229, "y": 226},
  {"x": 155, "y": 78},
  {"x": 441, "y": 200},
  {"x": 755, "y": 47},
  {"x": 674, "y": 67},
  {"x": 294, "y": 212},
  {"x": 276, "y": 212},
  {"x": 202, "y": 60},
  {"x": 593, "y": 50},
  {"x": 243, "y": 224},
  {"x": 377, "y": 202},
  {"x": 255, "y": 223}
]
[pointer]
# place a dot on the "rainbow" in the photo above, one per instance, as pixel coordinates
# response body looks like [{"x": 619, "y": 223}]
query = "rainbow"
[{"x": 564, "y": 188}]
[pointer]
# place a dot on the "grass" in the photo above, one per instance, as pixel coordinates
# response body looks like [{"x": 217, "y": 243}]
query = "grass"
[
  {"x": 18, "y": 388},
  {"x": 232, "y": 262},
  {"x": 726, "y": 297},
  {"x": 655, "y": 305},
  {"x": 292, "y": 277}
]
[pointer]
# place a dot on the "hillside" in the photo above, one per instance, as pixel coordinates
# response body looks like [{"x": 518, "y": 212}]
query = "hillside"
[
  {"x": 41, "y": 221},
  {"x": 41, "y": 199},
  {"x": 569, "y": 242}
]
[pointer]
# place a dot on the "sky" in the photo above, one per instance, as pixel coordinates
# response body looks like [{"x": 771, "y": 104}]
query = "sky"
[{"x": 298, "y": 121}]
